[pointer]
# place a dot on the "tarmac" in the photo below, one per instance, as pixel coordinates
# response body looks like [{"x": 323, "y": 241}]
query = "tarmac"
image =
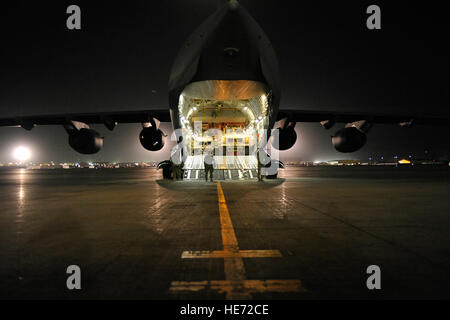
[{"x": 311, "y": 234}]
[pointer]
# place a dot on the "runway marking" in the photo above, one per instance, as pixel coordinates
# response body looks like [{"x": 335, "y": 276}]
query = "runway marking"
[
  {"x": 234, "y": 267},
  {"x": 227, "y": 287},
  {"x": 221, "y": 254},
  {"x": 235, "y": 286},
  {"x": 229, "y": 239}
]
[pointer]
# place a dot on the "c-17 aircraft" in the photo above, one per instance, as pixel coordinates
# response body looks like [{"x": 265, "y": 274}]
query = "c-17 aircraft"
[{"x": 225, "y": 79}]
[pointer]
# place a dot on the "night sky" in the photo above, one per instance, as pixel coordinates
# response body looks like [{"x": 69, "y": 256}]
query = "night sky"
[{"x": 122, "y": 57}]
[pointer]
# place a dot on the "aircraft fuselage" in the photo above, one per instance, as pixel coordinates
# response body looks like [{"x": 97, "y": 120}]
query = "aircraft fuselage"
[{"x": 226, "y": 77}]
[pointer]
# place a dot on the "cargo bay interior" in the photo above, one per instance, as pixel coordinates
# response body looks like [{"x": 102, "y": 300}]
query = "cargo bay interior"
[{"x": 226, "y": 118}]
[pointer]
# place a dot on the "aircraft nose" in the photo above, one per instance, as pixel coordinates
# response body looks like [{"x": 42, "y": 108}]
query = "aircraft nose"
[{"x": 234, "y": 4}]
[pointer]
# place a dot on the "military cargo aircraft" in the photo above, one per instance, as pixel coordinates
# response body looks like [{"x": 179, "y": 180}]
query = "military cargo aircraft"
[{"x": 225, "y": 80}]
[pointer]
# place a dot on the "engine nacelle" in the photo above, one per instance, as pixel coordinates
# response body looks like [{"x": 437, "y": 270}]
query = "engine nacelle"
[
  {"x": 284, "y": 139},
  {"x": 349, "y": 140},
  {"x": 152, "y": 139},
  {"x": 85, "y": 141}
]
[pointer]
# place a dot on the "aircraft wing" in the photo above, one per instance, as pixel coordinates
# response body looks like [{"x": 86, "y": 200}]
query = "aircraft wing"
[
  {"x": 107, "y": 118},
  {"x": 349, "y": 117},
  {"x": 143, "y": 116}
]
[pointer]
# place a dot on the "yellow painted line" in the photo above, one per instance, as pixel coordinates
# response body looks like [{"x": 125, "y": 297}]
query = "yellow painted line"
[
  {"x": 221, "y": 254},
  {"x": 229, "y": 239},
  {"x": 234, "y": 267},
  {"x": 235, "y": 286},
  {"x": 228, "y": 287},
  {"x": 192, "y": 286}
]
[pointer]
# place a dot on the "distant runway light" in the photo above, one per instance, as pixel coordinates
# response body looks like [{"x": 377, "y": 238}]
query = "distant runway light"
[{"x": 22, "y": 153}]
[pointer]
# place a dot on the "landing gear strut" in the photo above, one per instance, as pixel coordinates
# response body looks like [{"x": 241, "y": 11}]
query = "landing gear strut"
[{"x": 167, "y": 170}]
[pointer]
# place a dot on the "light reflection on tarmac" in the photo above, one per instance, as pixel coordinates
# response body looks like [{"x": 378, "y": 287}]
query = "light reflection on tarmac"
[{"x": 311, "y": 234}]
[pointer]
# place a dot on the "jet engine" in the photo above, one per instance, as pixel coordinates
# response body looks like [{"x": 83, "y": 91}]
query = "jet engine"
[
  {"x": 85, "y": 141},
  {"x": 349, "y": 139},
  {"x": 284, "y": 139},
  {"x": 151, "y": 138}
]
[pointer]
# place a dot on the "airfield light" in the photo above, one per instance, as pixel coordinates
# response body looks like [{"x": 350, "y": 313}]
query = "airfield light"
[{"x": 22, "y": 153}]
